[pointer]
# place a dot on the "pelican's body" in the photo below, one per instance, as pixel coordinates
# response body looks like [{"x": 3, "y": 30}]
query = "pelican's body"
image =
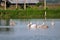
[
  {"x": 33, "y": 26},
  {"x": 30, "y": 25},
  {"x": 43, "y": 26},
  {"x": 12, "y": 23}
]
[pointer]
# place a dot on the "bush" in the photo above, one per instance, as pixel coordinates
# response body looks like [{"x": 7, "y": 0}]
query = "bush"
[
  {"x": 39, "y": 3},
  {"x": 28, "y": 13}
]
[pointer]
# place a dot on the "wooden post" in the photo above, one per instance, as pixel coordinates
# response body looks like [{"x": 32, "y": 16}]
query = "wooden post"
[
  {"x": 5, "y": 4},
  {"x": 24, "y": 4},
  {"x": 45, "y": 13},
  {"x": 45, "y": 7},
  {"x": 44, "y": 4},
  {"x": 16, "y": 4},
  {"x": 45, "y": 10}
]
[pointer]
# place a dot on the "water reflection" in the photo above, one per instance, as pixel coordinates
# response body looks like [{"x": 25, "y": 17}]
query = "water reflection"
[
  {"x": 52, "y": 23},
  {"x": 4, "y": 22},
  {"x": 9, "y": 22},
  {"x": 5, "y": 26}
]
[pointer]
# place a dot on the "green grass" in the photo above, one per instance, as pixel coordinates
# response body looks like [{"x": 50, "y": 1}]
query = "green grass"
[
  {"x": 28, "y": 13},
  {"x": 53, "y": 13}
]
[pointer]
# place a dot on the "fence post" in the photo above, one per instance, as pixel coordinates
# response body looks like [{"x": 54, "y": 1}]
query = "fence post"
[
  {"x": 5, "y": 4},
  {"x": 24, "y": 4},
  {"x": 16, "y": 3}
]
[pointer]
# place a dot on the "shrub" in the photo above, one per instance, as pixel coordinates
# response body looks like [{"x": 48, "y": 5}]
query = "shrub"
[{"x": 39, "y": 3}]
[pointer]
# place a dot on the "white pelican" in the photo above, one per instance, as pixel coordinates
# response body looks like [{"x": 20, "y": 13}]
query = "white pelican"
[
  {"x": 43, "y": 26},
  {"x": 33, "y": 26},
  {"x": 12, "y": 23}
]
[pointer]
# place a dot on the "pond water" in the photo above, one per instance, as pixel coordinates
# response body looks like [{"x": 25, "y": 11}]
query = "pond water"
[{"x": 21, "y": 32}]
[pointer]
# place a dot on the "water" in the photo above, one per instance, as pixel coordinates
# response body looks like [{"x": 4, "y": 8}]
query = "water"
[{"x": 21, "y": 32}]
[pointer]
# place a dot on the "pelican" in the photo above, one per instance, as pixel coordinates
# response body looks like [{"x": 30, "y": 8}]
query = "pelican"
[
  {"x": 30, "y": 25},
  {"x": 12, "y": 23},
  {"x": 43, "y": 26},
  {"x": 33, "y": 26}
]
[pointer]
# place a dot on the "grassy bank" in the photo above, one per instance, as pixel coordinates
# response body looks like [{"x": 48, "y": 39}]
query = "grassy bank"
[
  {"x": 29, "y": 13},
  {"x": 53, "y": 13}
]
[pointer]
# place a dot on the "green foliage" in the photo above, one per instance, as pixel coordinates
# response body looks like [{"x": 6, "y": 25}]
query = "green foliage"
[
  {"x": 39, "y": 3},
  {"x": 28, "y": 13}
]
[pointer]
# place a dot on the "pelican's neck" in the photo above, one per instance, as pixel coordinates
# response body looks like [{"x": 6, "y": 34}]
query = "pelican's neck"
[{"x": 29, "y": 24}]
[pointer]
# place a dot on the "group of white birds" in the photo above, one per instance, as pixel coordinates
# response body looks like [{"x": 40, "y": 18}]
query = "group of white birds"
[{"x": 35, "y": 26}]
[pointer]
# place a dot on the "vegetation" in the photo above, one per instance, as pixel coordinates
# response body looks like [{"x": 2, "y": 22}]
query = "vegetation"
[
  {"x": 39, "y": 3},
  {"x": 21, "y": 14},
  {"x": 53, "y": 13},
  {"x": 28, "y": 13}
]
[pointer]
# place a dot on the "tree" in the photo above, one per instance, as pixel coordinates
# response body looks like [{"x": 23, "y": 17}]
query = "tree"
[{"x": 39, "y": 3}]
